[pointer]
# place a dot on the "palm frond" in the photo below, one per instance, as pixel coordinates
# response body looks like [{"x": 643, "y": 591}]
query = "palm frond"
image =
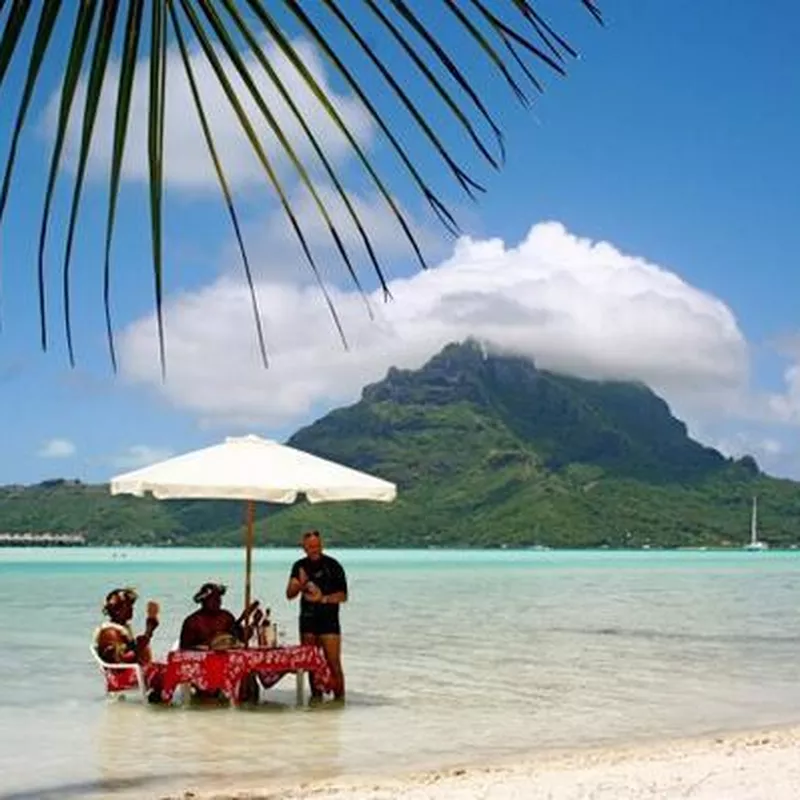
[
  {"x": 437, "y": 205},
  {"x": 408, "y": 48},
  {"x": 11, "y": 34},
  {"x": 262, "y": 156},
  {"x": 288, "y": 149},
  {"x": 467, "y": 183},
  {"x": 510, "y": 37},
  {"x": 155, "y": 152},
  {"x": 220, "y": 172},
  {"x": 487, "y": 49},
  {"x": 102, "y": 49},
  {"x": 130, "y": 49},
  {"x": 80, "y": 41},
  {"x": 312, "y": 139},
  {"x": 452, "y": 68},
  {"x": 287, "y": 49}
]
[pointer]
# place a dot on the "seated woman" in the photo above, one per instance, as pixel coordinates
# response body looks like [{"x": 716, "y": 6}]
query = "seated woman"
[{"x": 115, "y": 642}]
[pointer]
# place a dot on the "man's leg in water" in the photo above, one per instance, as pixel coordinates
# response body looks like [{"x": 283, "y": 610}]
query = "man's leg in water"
[
  {"x": 248, "y": 691},
  {"x": 332, "y": 645},
  {"x": 311, "y": 639}
]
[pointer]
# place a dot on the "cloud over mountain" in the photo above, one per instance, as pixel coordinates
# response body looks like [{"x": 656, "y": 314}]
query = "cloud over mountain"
[{"x": 572, "y": 304}]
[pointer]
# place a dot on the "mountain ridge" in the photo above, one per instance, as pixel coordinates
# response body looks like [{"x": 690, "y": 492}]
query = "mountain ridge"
[{"x": 486, "y": 450}]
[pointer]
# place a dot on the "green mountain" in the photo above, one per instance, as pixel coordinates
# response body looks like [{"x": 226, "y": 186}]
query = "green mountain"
[{"x": 486, "y": 450}]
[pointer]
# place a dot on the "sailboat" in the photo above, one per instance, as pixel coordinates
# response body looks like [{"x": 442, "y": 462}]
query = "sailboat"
[{"x": 754, "y": 543}]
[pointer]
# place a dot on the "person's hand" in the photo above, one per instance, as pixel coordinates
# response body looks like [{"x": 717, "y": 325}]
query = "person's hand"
[
  {"x": 142, "y": 649},
  {"x": 313, "y": 593},
  {"x": 245, "y": 615},
  {"x": 302, "y": 578}
]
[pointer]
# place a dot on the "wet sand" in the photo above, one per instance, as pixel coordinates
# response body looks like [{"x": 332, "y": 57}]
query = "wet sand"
[{"x": 761, "y": 765}]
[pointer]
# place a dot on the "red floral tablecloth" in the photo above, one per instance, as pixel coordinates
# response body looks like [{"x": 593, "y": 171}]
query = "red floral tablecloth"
[
  {"x": 224, "y": 670},
  {"x": 124, "y": 680}
]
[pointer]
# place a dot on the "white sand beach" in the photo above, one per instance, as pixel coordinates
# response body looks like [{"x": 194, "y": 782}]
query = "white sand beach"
[{"x": 762, "y": 765}]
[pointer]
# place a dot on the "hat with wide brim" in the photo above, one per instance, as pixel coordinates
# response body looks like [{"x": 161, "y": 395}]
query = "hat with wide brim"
[{"x": 209, "y": 590}]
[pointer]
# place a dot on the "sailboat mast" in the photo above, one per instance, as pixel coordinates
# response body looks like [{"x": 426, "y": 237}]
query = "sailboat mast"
[{"x": 754, "y": 522}]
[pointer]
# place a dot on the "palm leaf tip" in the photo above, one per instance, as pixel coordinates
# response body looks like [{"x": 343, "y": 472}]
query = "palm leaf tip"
[
  {"x": 222, "y": 179},
  {"x": 130, "y": 47},
  {"x": 77, "y": 50},
  {"x": 594, "y": 10},
  {"x": 102, "y": 50},
  {"x": 155, "y": 142}
]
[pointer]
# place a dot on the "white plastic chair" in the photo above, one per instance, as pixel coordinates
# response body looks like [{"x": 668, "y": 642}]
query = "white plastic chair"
[{"x": 104, "y": 667}]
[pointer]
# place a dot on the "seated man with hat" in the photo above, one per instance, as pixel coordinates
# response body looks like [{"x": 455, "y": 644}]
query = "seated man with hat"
[{"x": 211, "y": 627}]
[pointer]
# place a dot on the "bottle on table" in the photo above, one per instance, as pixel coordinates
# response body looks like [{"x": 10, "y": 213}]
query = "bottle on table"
[
  {"x": 267, "y": 632},
  {"x": 272, "y": 635}
]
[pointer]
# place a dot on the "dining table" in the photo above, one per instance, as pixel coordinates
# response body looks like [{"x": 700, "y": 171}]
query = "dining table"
[{"x": 225, "y": 670}]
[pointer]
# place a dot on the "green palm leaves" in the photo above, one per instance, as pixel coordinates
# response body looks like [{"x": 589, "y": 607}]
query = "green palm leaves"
[{"x": 508, "y": 38}]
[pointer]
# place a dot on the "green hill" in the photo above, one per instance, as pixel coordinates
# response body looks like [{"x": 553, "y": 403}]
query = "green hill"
[{"x": 487, "y": 450}]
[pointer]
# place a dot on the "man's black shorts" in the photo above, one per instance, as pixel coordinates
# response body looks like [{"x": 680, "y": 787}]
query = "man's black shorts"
[{"x": 320, "y": 626}]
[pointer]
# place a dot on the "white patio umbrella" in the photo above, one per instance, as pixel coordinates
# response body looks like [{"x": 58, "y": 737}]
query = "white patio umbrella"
[{"x": 251, "y": 468}]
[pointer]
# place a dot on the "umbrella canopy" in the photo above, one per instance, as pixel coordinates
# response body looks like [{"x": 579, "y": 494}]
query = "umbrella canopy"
[{"x": 252, "y": 468}]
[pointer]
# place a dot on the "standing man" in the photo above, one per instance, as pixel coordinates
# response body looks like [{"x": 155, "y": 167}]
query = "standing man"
[{"x": 322, "y": 583}]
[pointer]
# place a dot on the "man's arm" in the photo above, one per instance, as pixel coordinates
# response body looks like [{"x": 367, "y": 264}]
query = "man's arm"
[
  {"x": 297, "y": 582},
  {"x": 338, "y": 594},
  {"x": 333, "y": 597},
  {"x": 243, "y": 627},
  {"x": 235, "y": 627},
  {"x": 142, "y": 647}
]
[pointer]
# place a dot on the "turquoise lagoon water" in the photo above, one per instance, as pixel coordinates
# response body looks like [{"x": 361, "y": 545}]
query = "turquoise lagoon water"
[{"x": 451, "y": 657}]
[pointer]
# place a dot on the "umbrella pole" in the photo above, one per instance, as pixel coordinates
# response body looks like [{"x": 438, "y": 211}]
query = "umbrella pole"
[{"x": 248, "y": 544}]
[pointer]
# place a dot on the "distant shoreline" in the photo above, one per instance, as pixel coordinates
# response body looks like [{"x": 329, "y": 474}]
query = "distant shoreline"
[
  {"x": 43, "y": 540},
  {"x": 49, "y": 545}
]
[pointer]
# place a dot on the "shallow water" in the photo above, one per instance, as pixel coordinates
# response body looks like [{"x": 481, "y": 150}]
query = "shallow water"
[{"x": 450, "y": 657}]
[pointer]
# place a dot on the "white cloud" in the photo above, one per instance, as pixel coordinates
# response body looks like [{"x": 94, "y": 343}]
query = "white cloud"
[
  {"x": 57, "y": 448},
  {"x": 750, "y": 442},
  {"x": 785, "y": 406},
  {"x": 139, "y": 455},
  {"x": 186, "y": 161},
  {"x": 572, "y": 304},
  {"x": 772, "y": 444}
]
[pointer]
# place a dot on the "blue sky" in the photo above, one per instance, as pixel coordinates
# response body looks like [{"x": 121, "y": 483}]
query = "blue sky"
[{"x": 672, "y": 140}]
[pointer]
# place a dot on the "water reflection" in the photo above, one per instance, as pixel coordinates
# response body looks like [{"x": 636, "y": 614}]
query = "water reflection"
[{"x": 209, "y": 745}]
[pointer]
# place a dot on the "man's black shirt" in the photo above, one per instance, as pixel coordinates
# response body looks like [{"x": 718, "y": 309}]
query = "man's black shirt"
[{"x": 326, "y": 573}]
